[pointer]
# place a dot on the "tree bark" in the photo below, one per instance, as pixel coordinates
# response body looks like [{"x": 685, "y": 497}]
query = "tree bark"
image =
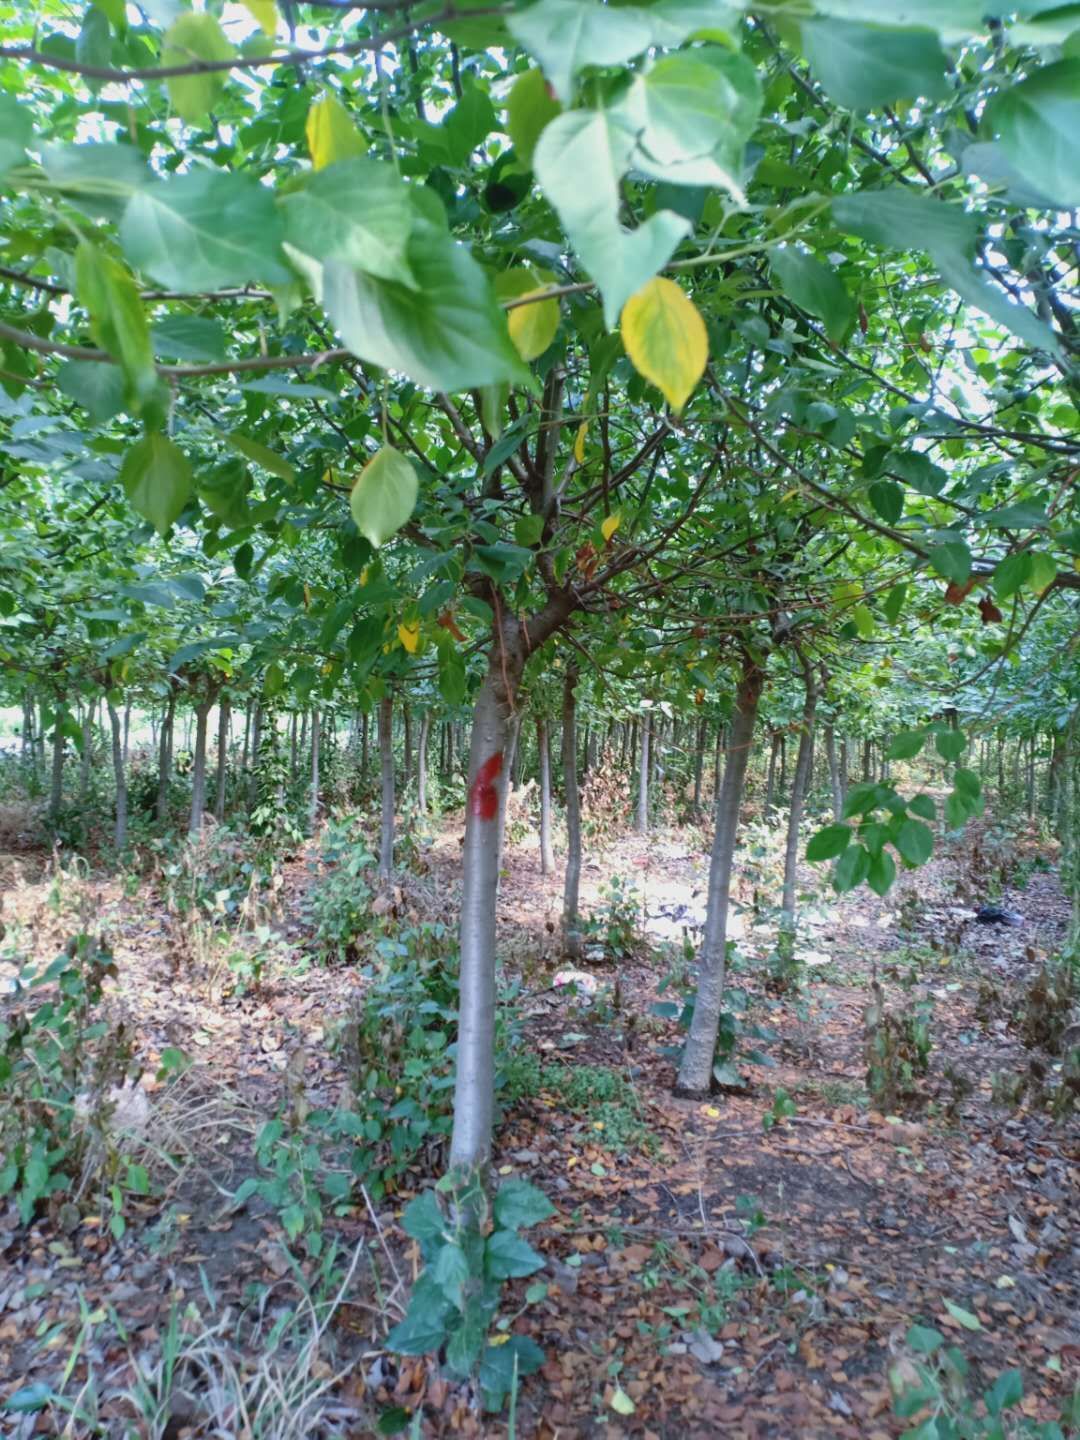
[
  {"x": 222, "y": 759},
  {"x": 474, "y": 1093},
  {"x": 86, "y": 760},
  {"x": 386, "y": 756},
  {"x": 365, "y": 746},
  {"x": 695, "y": 1072},
  {"x": 117, "y": 729},
  {"x": 56, "y": 781},
  {"x": 316, "y": 736},
  {"x": 198, "y": 768},
  {"x": 547, "y": 855},
  {"x": 799, "y": 786},
  {"x": 294, "y": 745},
  {"x": 165, "y": 755},
  {"x": 127, "y": 729},
  {"x": 571, "y": 928},
  {"x": 406, "y": 775},
  {"x": 642, "y": 824},
  {"x": 770, "y": 779},
  {"x": 699, "y": 761},
  {"x": 422, "y": 762},
  {"x": 834, "y": 773}
]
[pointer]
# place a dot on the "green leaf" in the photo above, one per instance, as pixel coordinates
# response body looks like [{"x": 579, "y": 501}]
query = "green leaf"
[
  {"x": 528, "y": 529},
  {"x": 566, "y": 35},
  {"x": 963, "y": 1317},
  {"x": 259, "y": 454},
  {"x": 518, "y": 1203},
  {"x": 357, "y": 211},
  {"x": 915, "y": 842},
  {"x": 99, "y": 389},
  {"x": 923, "y": 805},
  {"x": 579, "y": 161},
  {"x": 451, "y": 1273},
  {"x": 466, "y": 1342},
  {"x": 507, "y": 1255},
  {"x": 157, "y": 480},
  {"x": 924, "y": 1339},
  {"x": 16, "y": 129},
  {"x": 205, "y": 229},
  {"x": 902, "y": 218},
  {"x": 192, "y": 37},
  {"x": 1006, "y": 1391},
  {"x": 881, "y": 872},
  {"x": 815, "y": 288},
  {"x": 864, "y": 67},
  {"x": 1012, "y": 574},
  {"x": 30, "y": 1398},
  {"x": 1038, "y": 121},
  {"x": 968, "y": 783},
  {"x": 529, "y": 107},
  {"x": 919, "y": 471},
  {"x": 99, "y": 178},
  {"x": 887, "y": 499},
  {"x": 906, "y": 745},
  {"x": 224, "y": 489},
  {"x": 950, "y": 744},
  {"x": 453, "y": 679},
  {"x": 957, "y": 810},
  {"x": 970, "y": 282},
  {"x": 828, "y": 843},
  {"x": 953, "y": 560},
  {"x": 692, "y": 115},
  {"x": 189, "y": 337},
  {"x": 384, "y": 495},
  {"x": 423, "y": 1218},
  {"x": 1025, "y": 516},
  {"x": 1043, "y": 571},
  {"x": 894, "y": 603},
  {"x": 448, "y": 333},
  {"x": 424, "y": 1326},
  {"x": 118, "y": 320},
  {"x": 852, "y": 868}
]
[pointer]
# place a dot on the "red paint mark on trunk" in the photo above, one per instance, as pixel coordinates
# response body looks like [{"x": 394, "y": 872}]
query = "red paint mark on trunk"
[{"x": 484, "y": 795}]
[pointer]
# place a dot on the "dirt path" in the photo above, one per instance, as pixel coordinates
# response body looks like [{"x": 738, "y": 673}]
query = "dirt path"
[{"x": 719, "y": 1276}]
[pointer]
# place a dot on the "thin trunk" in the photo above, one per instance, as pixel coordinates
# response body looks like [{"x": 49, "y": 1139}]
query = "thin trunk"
[
  {"x": 623, "y": 744},
  {"x": 303, "y": 732},
  {"x": 834, "y": 773},
  {"x": 474, "y": 1092},
  {"x": 116, "y": 726},
  {"x": 406, "y": 778},
  {"x": 26, "y": 748},
  {"x": 867, "y": 760},
  {"x": 256, "y": 741},
  {"x": 718, "y": 762},
  {"x": 245, "y": 751},
  {"x": 365, "y": 745},
  {"x": 770, "y": 779},
  {"x": 127, "y": 729},
  {"x": 571, "y": 929},
  {"x": 198, "y": 769},
  {"x": 1030, "y": 796},
  {"x": 56, "y": 781},
  {"x": 294, "y": 745},
  {"x": 422, "y": 762},
  {"x": 843, "y": 773},
  {"x": 386, "y": 755},
  {"x": 165, "y": 756},
  {"x": 547, "y": 856},
  {"x": 642, "y": 824},
  {"x": 315, "y": 738},
  {"x": 699, "y": 762},
  {"x": 86, "y": 760},
  {"x": 222, "y": 759},
  {"x": 799, "y": 785},
  {"x": 781, "y": 783},
  {"x": 513, "y": 731},
  {"x": 695, "y": 1072}
]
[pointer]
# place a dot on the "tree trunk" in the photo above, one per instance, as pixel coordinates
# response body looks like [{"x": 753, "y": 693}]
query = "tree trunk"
[
  {"x": 315, "y": 738},
  {"x": 222, "y": 759},
  {"x": 86, "y": 760},
  {"x": 245, "y": 752},
  {"x": 547, "y": 856},
  {"x": 868, "y": 760},
  {"x": 386, "y": 756},
  {"x": 571, "y": 929},
  {"x": 695, "y": 1072},
  {"x": 1030, "y": 795},
  {"x": 699, "y": 762},
  {"x": 294, "y": 746},
  {"x": 165, "y": 756},
  {"x": 474, "y": 1092},
  {"x": 127, "y": 729},
  {"x": 26, "y": 746},
  {"x": 843, "y": 773},
  {"x": 365, "y": 745},
  {"x": 513, "y": 729},
  {"x": 799, "y": 785},
  {"x": 770, "y": 779},
  {"x": 422, "y": 762},
  {"x": 406, "y": 777},
  {"x": 642, "y": 824},
  {"x": 117, "y": 729},
  {"x": 834, "y": 773},
  {"x": 56, "y": 781},
  {"x": 198, "y": 769}
]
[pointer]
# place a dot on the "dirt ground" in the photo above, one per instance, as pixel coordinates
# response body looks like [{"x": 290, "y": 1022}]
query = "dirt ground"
[{"x": 954, "y": 1211}]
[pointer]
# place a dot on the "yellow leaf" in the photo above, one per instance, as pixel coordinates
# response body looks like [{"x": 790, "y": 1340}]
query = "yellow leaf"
[
  {"x": 579, "y": 442},
  {"x": 265, "y": 12},
  {"x": 712, "y": 1112},
  {"x": 621, "y": 1403},
  {"x": 500, "y": 1339},
  {"x": 609, "y": 526},
  {"x": 409, "y": 635},
  {"x": 665, "y": 338},
  {"x": 506, "y": 1169},
  {"x": 532, "y": 327},
  {"x": 331, "y": 134}
]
